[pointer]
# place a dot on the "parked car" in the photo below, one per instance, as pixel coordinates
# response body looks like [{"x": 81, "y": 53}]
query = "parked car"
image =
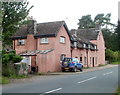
[{"x": 71, "y": 64}]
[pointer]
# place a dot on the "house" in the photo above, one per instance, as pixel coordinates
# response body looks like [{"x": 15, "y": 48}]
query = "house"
[
  {"x": 89, "y": 46},
  {"x": 46, "y": 44}
]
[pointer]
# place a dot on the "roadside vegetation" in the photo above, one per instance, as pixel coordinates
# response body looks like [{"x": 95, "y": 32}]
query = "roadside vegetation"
[
  {"x": 118, "y": 91},
  {"x": 12, "y": 16},
  {"x": 4, "y": 80}
]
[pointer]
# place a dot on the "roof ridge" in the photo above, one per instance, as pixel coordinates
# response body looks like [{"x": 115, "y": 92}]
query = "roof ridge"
[{"x": 51, "y": 22}]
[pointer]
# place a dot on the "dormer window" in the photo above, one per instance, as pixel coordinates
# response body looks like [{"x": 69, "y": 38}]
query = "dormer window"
[
  {"x": 84, "y": 45},
  {"x": 95, "y": 47},
  {"x": 75, "y": 44},
  {"x": 89, "y": 46},
  {"x": 62, "y": 39},
  {"x": 21, "y": 42}
]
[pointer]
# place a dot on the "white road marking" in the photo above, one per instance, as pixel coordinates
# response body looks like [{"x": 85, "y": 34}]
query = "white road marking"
[
  {"x": 107, "y": 73},
  {"x": 87, "y": 80},
  {"x": 53, "y": 90}
]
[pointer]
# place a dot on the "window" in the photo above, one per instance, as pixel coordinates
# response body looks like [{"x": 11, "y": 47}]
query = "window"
[
  {"x": 80, "y": 59},
  {"x": 44, "y": 40},
  {"x": 84, "y": 60},
  {"x": 75, "y": 44},
  {"x": 95, "y": 47},
  {"x": 84, "y": 45},
  {"x": 62, "y": 39},
  {"x": 89, "y": 46},
  {"x": 21, "y": 42}
]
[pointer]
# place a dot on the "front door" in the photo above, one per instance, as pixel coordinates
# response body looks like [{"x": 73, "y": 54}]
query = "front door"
[{"x": 93, "y": 62}]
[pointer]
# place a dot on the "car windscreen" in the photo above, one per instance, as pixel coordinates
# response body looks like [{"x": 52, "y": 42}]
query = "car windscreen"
[
  {"x": 67, "y": 60},
  {"x": 75, "y": 60}
]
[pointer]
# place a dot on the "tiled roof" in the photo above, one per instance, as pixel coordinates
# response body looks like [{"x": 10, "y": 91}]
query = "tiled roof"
[
  {"x": 83, "y": 36},
  {"x": 43, "y": 29},
  {"x": 88, "y": 34}
]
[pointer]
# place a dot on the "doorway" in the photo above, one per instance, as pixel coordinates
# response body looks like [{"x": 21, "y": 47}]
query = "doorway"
[{"x": 93, "y": 62}]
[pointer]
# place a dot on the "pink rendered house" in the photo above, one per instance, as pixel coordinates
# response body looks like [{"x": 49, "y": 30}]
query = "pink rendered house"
[
  {"x": 89, "y": 46},
  {"x": 46, "y": 44}
]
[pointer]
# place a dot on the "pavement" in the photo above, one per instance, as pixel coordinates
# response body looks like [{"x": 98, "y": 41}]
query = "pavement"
[
  {"x": 94, "y": 80},
  {"x": 84, "y": 70}
]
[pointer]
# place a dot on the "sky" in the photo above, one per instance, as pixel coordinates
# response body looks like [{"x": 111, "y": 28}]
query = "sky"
[{"x": 72, "y": 10}]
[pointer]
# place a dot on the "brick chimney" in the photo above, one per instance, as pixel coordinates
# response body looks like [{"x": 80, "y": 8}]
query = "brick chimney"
[
  {"x": 32, "y": 27},
  {"x": 97, "y": 26}
]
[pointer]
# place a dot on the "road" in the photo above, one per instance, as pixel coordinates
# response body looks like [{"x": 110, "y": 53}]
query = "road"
[{"x": 99, "y": 81}]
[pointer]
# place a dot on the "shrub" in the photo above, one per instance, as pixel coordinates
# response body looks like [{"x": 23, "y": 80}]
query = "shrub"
[
  {"x": 112, "y": 55},
  {"x": 8, "y": 59}
]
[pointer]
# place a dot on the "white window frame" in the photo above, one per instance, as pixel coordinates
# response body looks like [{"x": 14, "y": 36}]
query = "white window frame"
[
  {"x": 62, "y": 39},
  {"x": 21, "y": 42},
  {"x": 75, "y": 44},
  {"x": 95, "y": 47},
  {"x": 84, "y": 45},
  {"x": 44, "y": 40}
]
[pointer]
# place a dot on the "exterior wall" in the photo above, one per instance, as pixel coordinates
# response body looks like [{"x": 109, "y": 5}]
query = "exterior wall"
[
  {"x": 30, "y": 44},
  {"x": 85, "y": 53},
  {"x": 61, "y": 48},
  {"x": 46, "y": 62},
  {"x": 46, "y": 46},
  {"x": 19, "y": 48},
  {"x": 101, "y": 48}
]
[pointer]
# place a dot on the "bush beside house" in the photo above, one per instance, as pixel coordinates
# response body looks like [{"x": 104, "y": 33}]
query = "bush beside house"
[{"x": 8, "y": 60}]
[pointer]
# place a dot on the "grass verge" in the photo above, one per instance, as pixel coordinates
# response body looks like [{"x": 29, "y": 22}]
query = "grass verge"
[
  {"x": 19, "y": 77},
  {"x": 116, "y": 62},
  {"x": 4, "y": 80},
  {"x": 118, "y": 91}
]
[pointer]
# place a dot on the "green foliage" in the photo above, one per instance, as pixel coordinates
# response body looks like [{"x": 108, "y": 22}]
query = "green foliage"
[
  {"x": 13, "y": 16},
  {"x": 8, "y": 59},
  {"x": 116, "y": 62},
  {"x": 86, "y": 22},
  {"x": 112, "y": 55},
  {"x": 101, "y": 19},
  {"x": 118, "y": 91},
  {"x": 4, "y": 80},
  {"x": 16, "y": 59},
  {"x": 118, "y": 34},
  {"x": 19, "y": 77},
  {"x": 111, "y": 41}
]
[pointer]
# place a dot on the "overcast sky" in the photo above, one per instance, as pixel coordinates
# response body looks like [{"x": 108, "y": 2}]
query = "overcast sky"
[{"x": 72, "y": 10}]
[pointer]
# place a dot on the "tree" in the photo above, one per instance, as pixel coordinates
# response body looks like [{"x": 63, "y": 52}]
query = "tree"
[
  {"x": 101, "y": 19},
  {"x": 86, "y": 22},
  {"x": 13, "y": 14},
  {"x": 118, "y": 34}
]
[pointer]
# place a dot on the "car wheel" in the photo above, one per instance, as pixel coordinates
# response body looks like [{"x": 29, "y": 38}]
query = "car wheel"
[
  {"x": 63, "y": 70},
  {"x": 81, "y": 69},
  {"x": 75, "y": 69}
]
